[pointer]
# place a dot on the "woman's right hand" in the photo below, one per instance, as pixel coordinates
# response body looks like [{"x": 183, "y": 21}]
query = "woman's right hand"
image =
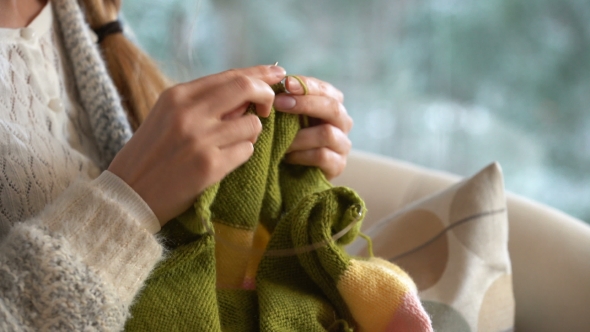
[{"x": 194, "y": 136}]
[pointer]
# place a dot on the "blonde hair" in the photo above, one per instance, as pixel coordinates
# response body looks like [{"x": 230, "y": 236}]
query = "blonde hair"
[{"x": 135, "y": 74}]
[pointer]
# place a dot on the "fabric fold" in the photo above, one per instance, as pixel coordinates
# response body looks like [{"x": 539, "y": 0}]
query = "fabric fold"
[{"x": 263, "y": 251}]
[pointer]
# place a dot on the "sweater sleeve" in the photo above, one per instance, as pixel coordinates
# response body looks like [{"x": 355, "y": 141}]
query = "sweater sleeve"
[{"x": 79, "y": 263}]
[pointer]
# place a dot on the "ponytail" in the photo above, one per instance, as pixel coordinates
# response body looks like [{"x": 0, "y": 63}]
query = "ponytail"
[{"x": 135, "y": 74}]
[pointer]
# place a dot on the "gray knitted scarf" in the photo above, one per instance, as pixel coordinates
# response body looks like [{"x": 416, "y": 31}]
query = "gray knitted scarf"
[{"x": 98, "y": 94}]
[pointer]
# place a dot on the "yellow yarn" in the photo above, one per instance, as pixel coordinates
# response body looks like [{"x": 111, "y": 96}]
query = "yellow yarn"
[{"x": 369, "y": 244}]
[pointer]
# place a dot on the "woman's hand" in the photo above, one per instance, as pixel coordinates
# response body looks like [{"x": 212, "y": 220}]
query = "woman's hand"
[
  {"x": 194, "y": 136},
  {"x": 325, "y": 143}
]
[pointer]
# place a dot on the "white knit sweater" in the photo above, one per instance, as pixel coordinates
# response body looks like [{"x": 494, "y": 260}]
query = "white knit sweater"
[{"x": 75, "y": 245}]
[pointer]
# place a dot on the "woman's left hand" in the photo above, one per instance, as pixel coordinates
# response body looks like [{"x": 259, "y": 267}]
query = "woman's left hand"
[{"x": 325, "y": 142}]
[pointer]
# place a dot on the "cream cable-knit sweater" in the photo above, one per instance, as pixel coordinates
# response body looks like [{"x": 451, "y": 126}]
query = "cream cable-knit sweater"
[{"x": 75, "y": 245}]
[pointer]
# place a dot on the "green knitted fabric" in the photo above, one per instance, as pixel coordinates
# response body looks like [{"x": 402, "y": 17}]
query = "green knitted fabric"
[{"x": 295, "y": 287}]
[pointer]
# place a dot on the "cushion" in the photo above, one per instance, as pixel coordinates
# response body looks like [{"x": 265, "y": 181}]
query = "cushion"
[{"x": 454, "y": 244}]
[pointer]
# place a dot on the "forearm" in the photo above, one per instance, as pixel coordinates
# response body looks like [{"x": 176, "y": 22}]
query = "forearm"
[{"x": 79, "y": 263}]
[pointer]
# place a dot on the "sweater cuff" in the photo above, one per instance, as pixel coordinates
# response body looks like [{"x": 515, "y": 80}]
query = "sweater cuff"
[
  {"x": 106, "y": 234},
  {"x": 137, "y": 208}
]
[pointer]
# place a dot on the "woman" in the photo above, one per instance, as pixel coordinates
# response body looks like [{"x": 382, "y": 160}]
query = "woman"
[{"x": 80, "y": 197}]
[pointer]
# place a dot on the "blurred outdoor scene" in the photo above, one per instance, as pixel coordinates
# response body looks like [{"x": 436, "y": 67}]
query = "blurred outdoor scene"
[{"x": 447, "y": 84}]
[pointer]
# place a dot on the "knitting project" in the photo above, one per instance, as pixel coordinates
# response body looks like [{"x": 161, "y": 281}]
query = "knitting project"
[{"x": 272, "y": 263}]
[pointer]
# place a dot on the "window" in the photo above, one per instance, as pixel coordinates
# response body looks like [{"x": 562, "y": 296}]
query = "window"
[{"x": 448, "y": 84}]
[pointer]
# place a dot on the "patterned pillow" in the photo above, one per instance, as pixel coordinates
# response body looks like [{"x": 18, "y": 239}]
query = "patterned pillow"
[{"x": 454, "y": 244}]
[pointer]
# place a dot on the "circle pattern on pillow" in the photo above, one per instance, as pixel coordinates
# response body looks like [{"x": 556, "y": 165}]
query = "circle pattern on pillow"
[
  {"x": 454, "y": 244},
  {"x": 445, "y": 318},
  {"x": 498, "y": 296},
  {"x": 421, "y": 247}
]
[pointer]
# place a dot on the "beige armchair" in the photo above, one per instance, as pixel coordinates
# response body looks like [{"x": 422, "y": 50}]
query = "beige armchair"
[{"x": 549, "y": 250}]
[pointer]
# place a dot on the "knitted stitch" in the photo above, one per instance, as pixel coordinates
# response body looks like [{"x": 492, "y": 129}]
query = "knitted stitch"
[
  {"x": 234, "y": 281},
  {"x": 74, "y": 251},
  {"x": 42, "y": 148},
  {"x": 97, "y": 91}
]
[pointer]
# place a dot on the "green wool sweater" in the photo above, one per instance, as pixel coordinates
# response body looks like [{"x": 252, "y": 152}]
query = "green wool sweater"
[
  {"x": 293, "y": 291},
  {"x": 257, "y": 250}
]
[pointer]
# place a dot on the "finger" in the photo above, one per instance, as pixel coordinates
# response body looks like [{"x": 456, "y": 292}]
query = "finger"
[
  {"x": 245, "y": 80},
  {"x": 230, "y": 132},
  {"x": 266, "y": 73},
  {"x": 331, "y": 163},
  {"x": 327, "y": 109},
  {"x": 238, "y": 112},
  {"x": 235, "y": 92},
  {"x": 269, "y": 74},
  {"x": 235, "y": 155},
  {"x": 314, "y": 87},
  {"x": 322, "y": 136}
]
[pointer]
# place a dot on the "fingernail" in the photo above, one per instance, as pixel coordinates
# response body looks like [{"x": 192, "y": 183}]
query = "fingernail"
[
  {"x": 278, "y": 71},
  {"x": 284, "y": 102},
  {"x": 294, "y": 86}
]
